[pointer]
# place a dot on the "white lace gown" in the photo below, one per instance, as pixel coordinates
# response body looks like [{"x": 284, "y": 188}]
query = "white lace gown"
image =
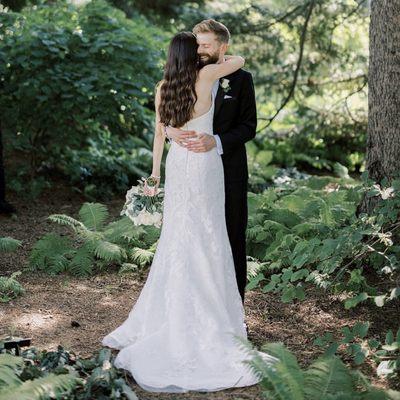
[{"x": 180, "y": 334}]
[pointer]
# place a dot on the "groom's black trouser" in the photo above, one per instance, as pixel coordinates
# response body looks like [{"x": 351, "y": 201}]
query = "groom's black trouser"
[{"x": 236, "y": 223}]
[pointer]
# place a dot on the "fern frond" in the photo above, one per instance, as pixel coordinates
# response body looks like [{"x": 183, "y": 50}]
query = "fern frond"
[
  {"x": 273, "y": 383},
  {"x": 50, "y": 251},
  {"x": 82, "y": 262},
  {"x": 150, "y": 234},
  {"x": 254, "y": 231},
  {"x": 10, "y": 287},
  {"x": 48, "y": 386},
  {"x": 253, "y": 268},
  {"x": 327, "y": 376},
  {"x": 142, "y": 256},
  {"x": 8, "y": 244},
  {"x": 127, "y": 267},
  {"x": 93, "y": 215},
  {"x": 109, "y": 251},
  {"x": 122, "y": 230},
  {"x": 63, "y": 219},
  {"x": 8, "y": 365}
]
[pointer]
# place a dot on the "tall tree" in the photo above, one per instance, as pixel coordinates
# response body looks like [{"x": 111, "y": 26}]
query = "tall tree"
[
  {"x": 5, "y": 207},
  {"x": 383, "y": 141}
]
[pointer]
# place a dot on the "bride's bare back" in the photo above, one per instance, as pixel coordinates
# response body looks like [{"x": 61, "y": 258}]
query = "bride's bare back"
[{"x": 206, "y": 78}]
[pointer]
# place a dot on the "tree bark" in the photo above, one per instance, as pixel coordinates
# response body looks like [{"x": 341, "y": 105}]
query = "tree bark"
[
  {"x": 5, "y": 207},
  {"x": 2, "y": 177},
  {"x": 383, "y": 136}
]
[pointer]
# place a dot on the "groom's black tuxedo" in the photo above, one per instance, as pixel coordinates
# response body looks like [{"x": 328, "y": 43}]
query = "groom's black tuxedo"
[{"x": 235, "y": 121}]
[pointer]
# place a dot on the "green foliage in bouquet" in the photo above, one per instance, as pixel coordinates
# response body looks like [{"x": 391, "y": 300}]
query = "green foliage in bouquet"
[
  {"x": 311, "y": 233},
  {"x": 61, "y": 374},
  {"x": 326, "y": 378},
  {"x": 95, "y": 243}
]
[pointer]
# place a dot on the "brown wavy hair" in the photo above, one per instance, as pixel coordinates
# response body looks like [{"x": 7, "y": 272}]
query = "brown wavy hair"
[{"x": 177, "y": 93}]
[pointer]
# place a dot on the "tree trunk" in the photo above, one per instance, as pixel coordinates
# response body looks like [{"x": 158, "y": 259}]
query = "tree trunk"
[
  {"x": 383, "y": 143},
  {"x": 5, "y": 207},
  {"x": 2, "y": 177}
]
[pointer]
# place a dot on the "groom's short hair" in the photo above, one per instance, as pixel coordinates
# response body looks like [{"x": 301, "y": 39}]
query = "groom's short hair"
[{"x": 211, "y": 25}]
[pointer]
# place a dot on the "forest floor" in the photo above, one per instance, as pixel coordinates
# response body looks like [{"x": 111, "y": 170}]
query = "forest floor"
[{"x": 99, "y": 304}]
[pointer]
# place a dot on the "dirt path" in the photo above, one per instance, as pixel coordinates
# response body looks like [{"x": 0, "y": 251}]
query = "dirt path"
[{"x": 99, "y": 304}]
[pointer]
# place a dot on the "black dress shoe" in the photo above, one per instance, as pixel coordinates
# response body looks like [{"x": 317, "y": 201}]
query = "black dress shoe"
[{"x": 7, "y": 208}]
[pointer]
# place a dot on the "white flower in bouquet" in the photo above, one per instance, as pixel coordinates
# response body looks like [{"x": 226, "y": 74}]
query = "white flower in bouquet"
[{"x": 142, "y": 208}]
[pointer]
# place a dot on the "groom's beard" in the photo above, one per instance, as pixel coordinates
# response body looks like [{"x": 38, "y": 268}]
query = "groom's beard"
[{"x": 208, "y": 59}]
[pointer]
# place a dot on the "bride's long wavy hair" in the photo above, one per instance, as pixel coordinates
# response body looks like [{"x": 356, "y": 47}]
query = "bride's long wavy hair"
[{"x": 178, "y": 94}]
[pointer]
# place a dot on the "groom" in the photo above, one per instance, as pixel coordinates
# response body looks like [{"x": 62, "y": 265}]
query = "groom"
[{"x": 235, "y": 121}]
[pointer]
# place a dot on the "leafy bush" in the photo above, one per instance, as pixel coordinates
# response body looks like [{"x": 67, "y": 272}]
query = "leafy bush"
[
  {"x": 312, "y": 234},
  {"x": 386, "y": 355},
  {"x": 82, "y": 71},
  {"x": 326, "y": 378},
  {"x": 10, "y": 288},
  {"x": 9, "y": 244},
  {"x": 106, "y": 165},
  {"x": 61, "y": 374},
  {"x": 96, "y": 244}
]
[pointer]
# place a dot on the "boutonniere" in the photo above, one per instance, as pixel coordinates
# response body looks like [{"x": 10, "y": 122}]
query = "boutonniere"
[{"x": 225, "y": 85}]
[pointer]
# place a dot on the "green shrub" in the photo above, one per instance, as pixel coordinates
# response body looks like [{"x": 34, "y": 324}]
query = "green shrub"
[
  {"x": 75, "y": 72},
  {"x": 61, "y": 374},
  {"x": 95, "y": 244},
  {"x": 359, "y": 347},
  {"x": 312, "y": 234},
  {"x": 10, "y": 288},
  {"x": 326, "y": 378},
  {"x": 9, "y": 244}
]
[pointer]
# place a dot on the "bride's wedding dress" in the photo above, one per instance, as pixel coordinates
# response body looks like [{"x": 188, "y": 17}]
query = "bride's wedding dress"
[{"x": 179, "y": 336}]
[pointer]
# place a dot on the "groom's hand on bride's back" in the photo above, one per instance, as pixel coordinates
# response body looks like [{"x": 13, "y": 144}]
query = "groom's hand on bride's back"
[
  {"x": 180, "y": 136},
  {"x": 202, "y": 142}
]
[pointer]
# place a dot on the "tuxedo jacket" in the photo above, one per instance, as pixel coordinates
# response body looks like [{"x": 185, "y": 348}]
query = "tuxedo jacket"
[{"x": 235, "y": 121}]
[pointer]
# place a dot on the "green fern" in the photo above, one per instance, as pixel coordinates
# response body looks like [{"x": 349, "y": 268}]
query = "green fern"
[
  {"x": 83, "y": 260},
  {"x": 93, "y": 215},
  {"x": 122, "y": 231},
  {"x": 142, "y": 257},
  {"x": 110, "y": 252},
  {"x": 66, "y": 220},
  {"x": 326, "y": 378},
  {"x": 51, "y": 253},
  {"x": 99, "y": 245},
  {"x": 254, "y": 267},
  {"x": 8, "y": 244},
  {"x": 50, "y": 386},
  {"x": 47, "y": 387},
  {"x": 10, "y": 288},
  {"x": 8, "y": 365}
]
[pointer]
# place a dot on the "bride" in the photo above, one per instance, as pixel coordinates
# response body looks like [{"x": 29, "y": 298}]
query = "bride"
[{"x": 182, "y": 332}]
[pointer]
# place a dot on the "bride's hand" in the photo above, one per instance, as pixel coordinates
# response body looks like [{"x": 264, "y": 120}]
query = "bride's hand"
[{"x": 152, "y": 190}]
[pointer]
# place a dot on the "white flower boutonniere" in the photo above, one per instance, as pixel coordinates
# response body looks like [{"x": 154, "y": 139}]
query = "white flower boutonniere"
[{"x": 225, "y": 85}]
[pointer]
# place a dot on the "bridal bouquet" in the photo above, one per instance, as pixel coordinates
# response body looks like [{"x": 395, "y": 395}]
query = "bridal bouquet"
[{"x": 144, "y": 203}]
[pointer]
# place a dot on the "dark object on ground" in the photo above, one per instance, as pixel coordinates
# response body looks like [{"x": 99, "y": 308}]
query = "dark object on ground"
[
  {"x": 5, "y": 207},
  {"x": 17, "y": 343}
]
